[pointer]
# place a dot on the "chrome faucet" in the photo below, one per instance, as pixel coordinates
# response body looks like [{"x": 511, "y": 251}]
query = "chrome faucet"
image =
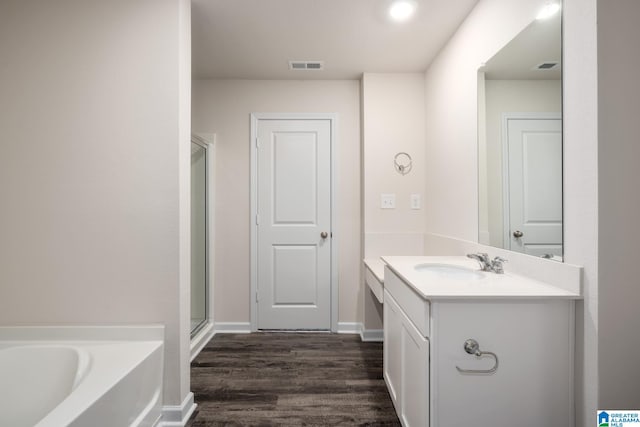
[
  {"x": 496, "y": 265},
  {"x": 486, "y": 264},
  {"x": 483, "y": 259}
]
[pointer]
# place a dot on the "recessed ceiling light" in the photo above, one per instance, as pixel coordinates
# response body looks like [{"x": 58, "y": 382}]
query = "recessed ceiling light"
[
  {"x": 402, "y": 10},
  {"x": 548, "y": 10}
]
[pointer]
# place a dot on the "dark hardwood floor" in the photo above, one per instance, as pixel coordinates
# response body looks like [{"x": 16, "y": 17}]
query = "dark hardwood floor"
[{"x": 295, "y": 379}]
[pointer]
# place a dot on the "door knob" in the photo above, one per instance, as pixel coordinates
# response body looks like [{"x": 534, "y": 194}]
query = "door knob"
[
  {"x": 324, "y": 234},
  {"x": 518, "y": 234}
]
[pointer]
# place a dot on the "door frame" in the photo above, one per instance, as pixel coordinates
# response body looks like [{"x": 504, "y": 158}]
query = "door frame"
[
  {"x": 255, "y": 118},
  {"x": 506, "y": 210}
]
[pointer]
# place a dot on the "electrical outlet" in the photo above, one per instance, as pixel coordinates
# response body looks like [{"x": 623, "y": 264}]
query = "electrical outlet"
[
  {"x": 387, "y": 201},
  {"x": 415, "y": 201}
]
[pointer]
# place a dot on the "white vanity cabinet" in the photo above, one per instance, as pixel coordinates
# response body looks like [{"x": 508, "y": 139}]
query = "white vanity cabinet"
[
  {"x": 424, "y": 338},
  {"x": 406, "y": 365}
]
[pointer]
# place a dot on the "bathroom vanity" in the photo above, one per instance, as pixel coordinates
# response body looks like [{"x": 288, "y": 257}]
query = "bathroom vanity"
[{"x": 465, "y": 347}]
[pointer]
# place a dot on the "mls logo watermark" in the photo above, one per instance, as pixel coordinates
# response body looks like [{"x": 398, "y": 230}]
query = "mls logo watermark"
[{"x": 618, "y": 418}]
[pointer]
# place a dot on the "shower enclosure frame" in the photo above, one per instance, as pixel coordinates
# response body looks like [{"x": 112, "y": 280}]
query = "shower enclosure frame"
[{"x": 201, "y": 334}]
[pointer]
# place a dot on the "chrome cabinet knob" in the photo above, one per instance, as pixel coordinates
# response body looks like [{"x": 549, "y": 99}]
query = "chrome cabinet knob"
[
  {"x": 324, "y": 234},
  {"x": 518, "y": 234}
]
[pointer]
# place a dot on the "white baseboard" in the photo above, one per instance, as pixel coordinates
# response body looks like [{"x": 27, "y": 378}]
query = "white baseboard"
[
  {"x": 343, "y": 328},
  {"x": 367, "y": 335},
  {"x": 177, "y": 416},
  {"x": 232, "y": 328},
  {"x": 349, "y": 327},
  {"x": 372, "y": 335},
  {"x": 201, "y": 339}
]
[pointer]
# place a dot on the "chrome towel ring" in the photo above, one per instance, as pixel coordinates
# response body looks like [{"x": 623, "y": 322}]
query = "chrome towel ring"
[{"x": 471, "y": 346}]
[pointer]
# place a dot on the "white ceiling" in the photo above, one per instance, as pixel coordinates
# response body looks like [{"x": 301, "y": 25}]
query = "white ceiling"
[
  {"x": 256, "y": 39},
  {"x": 540, "y": 42}
]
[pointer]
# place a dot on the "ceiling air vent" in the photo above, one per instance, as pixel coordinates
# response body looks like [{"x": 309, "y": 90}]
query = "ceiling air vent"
[
  {"x": 306, "y": 65},
  {"x": 549, "y": 65}
]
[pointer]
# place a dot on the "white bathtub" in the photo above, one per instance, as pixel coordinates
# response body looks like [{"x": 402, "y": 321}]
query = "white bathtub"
[{"x": 66, "y": 382}]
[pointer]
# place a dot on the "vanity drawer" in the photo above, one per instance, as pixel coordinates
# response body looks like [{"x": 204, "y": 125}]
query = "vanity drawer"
[
  {"x": 374, "y": 284},
  {"x": 417, "y": 309}
]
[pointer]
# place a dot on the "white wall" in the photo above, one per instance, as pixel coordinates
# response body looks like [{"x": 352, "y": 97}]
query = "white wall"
[
  {"x": 89, "y": 170},
  {"x": 452, "y": 196},
  {"x": 223, "y": 107},
  {"x": 618, "y": 178},
  {"x": 451, "y": 204},
  {"x": 580, "y": 170},
  {"x": 184, "y": 203},
  {"x": 393, "y": 121}
]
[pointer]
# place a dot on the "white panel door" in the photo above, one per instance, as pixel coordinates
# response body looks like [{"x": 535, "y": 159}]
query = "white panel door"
[
  {"x": 294, "y": 224},
  {"x": 535, "y": 186}
]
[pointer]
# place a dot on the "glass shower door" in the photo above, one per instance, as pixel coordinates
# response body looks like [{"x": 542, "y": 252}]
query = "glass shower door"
[{"x": 199, "y": 232}]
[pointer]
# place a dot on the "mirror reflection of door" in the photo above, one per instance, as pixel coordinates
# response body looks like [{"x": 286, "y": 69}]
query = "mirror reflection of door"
[
  {"x": 199, "y": 267},
  {"x": 533, "y": 184},
  {"x": 523, "y": 80}
]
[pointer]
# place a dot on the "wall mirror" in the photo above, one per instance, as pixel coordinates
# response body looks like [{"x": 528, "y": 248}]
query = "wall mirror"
[{"x": 520, "y": 143}]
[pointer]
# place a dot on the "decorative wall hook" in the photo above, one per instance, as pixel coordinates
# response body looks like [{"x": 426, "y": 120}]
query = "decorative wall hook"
[{"x": 403, "y": 163}]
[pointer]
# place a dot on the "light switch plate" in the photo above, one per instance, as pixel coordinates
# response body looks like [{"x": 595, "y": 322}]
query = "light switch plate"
[
  {"x": 387, "y": 201},
  {"x": 415, "y": 201}
]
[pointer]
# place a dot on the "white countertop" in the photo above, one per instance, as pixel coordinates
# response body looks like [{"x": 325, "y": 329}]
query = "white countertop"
[
  {"x": 501, "y": 286},
  {"x": 376, "y": 266},
  {"x": 374, "y": 277}
]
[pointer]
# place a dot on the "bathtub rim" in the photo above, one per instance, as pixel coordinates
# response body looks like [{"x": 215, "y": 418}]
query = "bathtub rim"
[{"x": 81, "y": 335}]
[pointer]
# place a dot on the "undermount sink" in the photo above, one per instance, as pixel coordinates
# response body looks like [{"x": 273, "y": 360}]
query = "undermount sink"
[{"x": 449, "y": 271}]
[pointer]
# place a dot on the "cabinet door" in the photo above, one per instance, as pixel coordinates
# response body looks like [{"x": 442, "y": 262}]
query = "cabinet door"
[
  {"x": 532, "y": 386},
  {"x": 415, "y": 377},
  {"x": 406, "y": 365},
  {"x": 392, "y": 356}
]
